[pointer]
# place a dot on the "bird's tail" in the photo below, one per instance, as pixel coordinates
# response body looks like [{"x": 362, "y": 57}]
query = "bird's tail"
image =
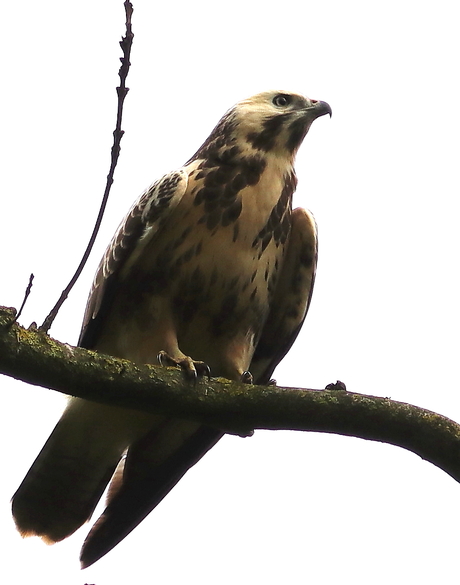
[{"x": 64, "y": 484}]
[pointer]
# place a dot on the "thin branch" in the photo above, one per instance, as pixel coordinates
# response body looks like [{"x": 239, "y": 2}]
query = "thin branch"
[
  {"x": 26, "y": 296},
  {"x": 125, "y": 43},
  {"x": 34, "y": 357}
]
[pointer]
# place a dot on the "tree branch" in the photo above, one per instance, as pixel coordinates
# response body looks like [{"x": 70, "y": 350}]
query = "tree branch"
[{"x": 34, "y": 357}]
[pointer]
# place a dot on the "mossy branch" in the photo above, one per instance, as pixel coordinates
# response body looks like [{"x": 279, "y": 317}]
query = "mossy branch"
[{"x": 34, "y": 357}]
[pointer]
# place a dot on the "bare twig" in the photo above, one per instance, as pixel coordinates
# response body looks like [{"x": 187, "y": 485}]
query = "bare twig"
[
  {"x": 26, "y": 296},
  {"x": 125, "y": 43}
]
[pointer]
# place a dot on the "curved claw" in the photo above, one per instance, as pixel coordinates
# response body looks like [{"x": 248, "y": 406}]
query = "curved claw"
[
  {"x": 246, "y": 378},
  {"x": 202, "y": 369},
  {"x": 164, "y": 359}
]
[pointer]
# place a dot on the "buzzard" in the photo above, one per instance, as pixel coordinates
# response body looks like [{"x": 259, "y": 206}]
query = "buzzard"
[{"x": 210, "y": 270}]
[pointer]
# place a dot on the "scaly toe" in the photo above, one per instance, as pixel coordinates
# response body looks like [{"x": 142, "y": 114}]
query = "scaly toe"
[
  {"x": 192, "y": 369},
  {"x": 202, "y": 369},
  {"x": 164, "y": 359},
  {"x": 188, "y": 367}
]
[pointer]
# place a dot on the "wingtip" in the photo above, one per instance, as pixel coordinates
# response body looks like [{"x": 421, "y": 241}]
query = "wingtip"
[
  {"x": 91, "y": 551},
  {"x": 100, "y": 540},
  {"x": 85, "y": 563},
  {"x": 89, "y": 555}
]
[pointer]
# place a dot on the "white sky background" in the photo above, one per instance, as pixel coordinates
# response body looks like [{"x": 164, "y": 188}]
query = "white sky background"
[{"x": 382, "y": 180}]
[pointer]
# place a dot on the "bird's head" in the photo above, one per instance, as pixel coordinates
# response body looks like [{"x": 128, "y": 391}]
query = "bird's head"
[
  {"x": 277, "y": 121},
  {"x": 273, "y": 122}
]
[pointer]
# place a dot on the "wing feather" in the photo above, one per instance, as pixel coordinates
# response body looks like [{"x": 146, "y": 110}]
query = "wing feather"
[
  {"x": 292, "y": 297},
  {"x": 143, "y": 222},
  {"x": 146, "y": 481}
]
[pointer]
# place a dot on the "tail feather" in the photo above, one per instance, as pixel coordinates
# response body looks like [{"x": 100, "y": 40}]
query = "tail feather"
[{"x": 64, "y": 484}]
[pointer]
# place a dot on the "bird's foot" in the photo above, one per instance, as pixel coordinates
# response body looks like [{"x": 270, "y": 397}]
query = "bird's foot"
[
  {"x": 246, "y": 378},
  {"x": 337, "y": 386},
  {"x": 192, "y": 369}
]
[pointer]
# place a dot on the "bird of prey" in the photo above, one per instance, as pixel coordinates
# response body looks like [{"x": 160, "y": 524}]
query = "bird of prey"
[{"x": 211, "y": 269}]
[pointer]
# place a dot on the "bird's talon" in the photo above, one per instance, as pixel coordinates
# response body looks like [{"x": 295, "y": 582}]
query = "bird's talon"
[
  {"x": 192, "y": 369},
  {"x": 337, "y": 386},
  {"x": 202, "y": 369},
  {"x": 188, "y": 367},
  {"x": 165, "y": 359},
  {"x": 246, "y": 378}
]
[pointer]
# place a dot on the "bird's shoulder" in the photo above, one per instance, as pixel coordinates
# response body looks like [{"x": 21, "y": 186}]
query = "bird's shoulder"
[{"x": 143, "y": 221}]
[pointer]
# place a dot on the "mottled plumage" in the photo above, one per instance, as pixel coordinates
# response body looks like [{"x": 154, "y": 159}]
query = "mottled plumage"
[{"x": 211, "y": 264}]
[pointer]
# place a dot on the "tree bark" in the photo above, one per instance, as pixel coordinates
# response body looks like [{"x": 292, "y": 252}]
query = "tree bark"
[{"x": 33, "y": 357}]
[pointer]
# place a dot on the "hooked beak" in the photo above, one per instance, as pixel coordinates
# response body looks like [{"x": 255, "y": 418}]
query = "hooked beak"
[{"x": 319, "y": 108}]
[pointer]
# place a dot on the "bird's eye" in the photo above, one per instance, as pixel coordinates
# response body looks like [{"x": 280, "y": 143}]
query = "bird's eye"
[{"x": 281, "y": 100}]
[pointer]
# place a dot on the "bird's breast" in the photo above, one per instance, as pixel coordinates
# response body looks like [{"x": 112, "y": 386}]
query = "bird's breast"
[{"x": 216, "y": 260}]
